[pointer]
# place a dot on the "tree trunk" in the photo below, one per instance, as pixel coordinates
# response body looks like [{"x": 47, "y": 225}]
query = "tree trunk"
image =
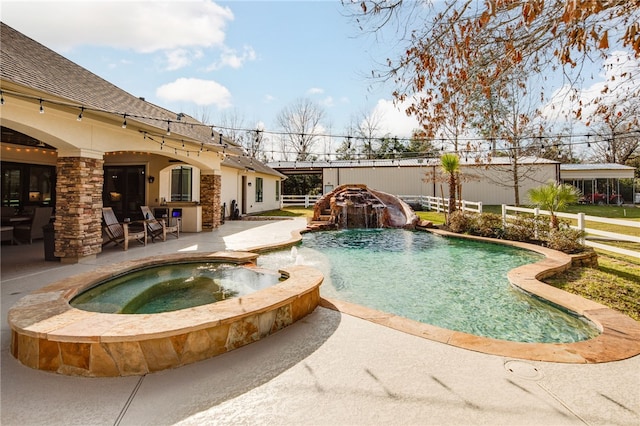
[
  {"x": 452, "y": 193},
  {"x": 516, "y": 182}
]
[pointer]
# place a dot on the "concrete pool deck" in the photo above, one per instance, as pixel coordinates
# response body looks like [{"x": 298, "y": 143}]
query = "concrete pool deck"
[{"x": 329, "y": 368}]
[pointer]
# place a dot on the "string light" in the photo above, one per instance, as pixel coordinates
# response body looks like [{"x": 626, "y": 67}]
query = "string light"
[
  {"x": 80, "y": 115},
  {"x": 569, "y": 140},
  {"x": 124, "y": 121}
]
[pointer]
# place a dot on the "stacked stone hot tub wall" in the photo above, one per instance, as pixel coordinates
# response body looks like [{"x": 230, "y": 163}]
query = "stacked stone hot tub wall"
[{"x": 48, "y": 334}]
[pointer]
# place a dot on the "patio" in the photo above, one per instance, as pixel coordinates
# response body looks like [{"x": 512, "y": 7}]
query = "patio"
[{"x": 328, "y": 368}]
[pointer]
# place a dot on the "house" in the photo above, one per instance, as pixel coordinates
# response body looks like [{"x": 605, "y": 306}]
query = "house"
[
  {"x": 250, "y": 185},
  {"x": 76, "y": 142}
]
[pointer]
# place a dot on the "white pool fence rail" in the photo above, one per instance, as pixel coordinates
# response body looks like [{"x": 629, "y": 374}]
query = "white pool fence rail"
[
  {"x": 592, "y": 234},
  {"x": 440, "y": 204},
  {"x": 427, "y": 202},
  {"x": 299, "y": 200}
]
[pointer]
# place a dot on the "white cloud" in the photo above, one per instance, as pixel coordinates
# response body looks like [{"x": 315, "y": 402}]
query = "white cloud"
[
  {"x": 393, "y": 119},
  {"x": 269, "y": 98},
  {"x": 200, "y": 92},
  {"x": 181, "y": 58},
  {"x": 231, "y": 58},
  {"x": 315, "y": 91},
  {"x": 618, "y": 85},
  {"x": 142, "y": 26},
  {"x": 327, "y": 102}
]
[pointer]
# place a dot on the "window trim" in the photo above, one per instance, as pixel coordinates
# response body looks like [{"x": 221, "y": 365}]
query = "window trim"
[{"x": 259, "y": 190}]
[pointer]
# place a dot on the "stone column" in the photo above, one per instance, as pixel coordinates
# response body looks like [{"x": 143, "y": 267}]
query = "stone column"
[
  {"x": 210, "y": 193},
  {"x": 78, "y": 224}
]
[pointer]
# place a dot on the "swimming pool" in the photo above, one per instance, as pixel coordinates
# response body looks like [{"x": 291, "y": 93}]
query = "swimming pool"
[{"x": 451, "y": 283}]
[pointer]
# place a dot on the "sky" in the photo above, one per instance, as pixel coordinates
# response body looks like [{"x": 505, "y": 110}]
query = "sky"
[{"x": 248, "y": 59}]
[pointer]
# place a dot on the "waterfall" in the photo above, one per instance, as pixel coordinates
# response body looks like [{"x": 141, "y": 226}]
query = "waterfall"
[{"x": 355, "y": 206}]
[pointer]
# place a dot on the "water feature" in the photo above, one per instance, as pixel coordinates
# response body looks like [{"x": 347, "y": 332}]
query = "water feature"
[
  {"x": 354, "y": 206},
  {"x": 451, "y": 283},
  {"x": 172, "y": 287}
]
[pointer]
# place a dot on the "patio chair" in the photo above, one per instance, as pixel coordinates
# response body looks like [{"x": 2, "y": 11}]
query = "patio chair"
[
  {"x": 120, "y": 233},
  {"x": 33, "y": 230},
  {"x": 157, "y": 228}
]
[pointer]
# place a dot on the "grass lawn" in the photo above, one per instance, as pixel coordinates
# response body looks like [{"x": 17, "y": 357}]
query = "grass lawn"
[
  {"x": 433, "y": 217},
  {"x": 293, "y": 211},
  {"x": 616, "y": 283}
]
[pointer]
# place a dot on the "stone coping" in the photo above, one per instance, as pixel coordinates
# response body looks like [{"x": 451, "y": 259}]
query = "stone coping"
[
  {"x": 619, "y": 336},
  {"x": 294, "y": 238},
  {"x": 49, "y": 334}
]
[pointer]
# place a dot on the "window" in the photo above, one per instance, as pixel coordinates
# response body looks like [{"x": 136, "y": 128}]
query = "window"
[
  {"x": 181, "y": 186},
  {"x": 259, "y": 190},
  {"x": 277, "y": 191},
  {"x": 28, "y": 185},
  {"x": 124, "y": 190}
]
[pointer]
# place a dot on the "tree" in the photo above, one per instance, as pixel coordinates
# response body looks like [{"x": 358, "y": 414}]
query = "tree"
[
  {"x": 454, "y": 50},
  {"x": 301, "y": 121},
  {"x": 346, "y": 150},
  {"x": 554, "y": 197},
  {"x": 254, "y": 143},
  {"x": 420, "y": 145},
  {"x": 505, "y": 118},
  {"x": 231, "y": 124},
  {"x": 390, "y": 148},
  {"x": 368, "y": 130},
  {"x": 450, "y": 164}
]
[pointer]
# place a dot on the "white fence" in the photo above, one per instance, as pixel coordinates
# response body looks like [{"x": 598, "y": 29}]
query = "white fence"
[
  {"x": 582, "y": 220},
  {"x": 440, "y": 204},
  {"x": 299, "y": 200}
]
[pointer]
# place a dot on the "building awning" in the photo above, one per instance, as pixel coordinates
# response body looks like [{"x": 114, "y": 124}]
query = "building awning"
[{"x": 596, "y": 171}]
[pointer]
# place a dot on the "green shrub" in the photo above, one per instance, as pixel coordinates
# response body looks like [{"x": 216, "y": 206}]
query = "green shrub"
[
  {"x": 520, "y": 228},
  {"x": 527, "y": 228},
  {"x": 460, "y": 222},
  {"x": 566, "y": 240},
  {"x": 488, "y": 225}
]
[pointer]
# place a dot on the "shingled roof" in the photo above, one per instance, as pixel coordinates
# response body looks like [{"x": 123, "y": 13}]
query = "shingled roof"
[
  {"x": 242, "y": 162},
  {"x": 28, "y": 63}
]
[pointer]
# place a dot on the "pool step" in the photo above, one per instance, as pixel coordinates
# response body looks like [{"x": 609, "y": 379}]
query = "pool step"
[{"x": 320, "y": 225}]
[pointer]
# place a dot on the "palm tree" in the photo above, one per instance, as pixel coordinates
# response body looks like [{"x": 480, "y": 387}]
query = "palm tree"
[
  {"x": 450, "y": 164},
  {"x": 554, "y": 197}
]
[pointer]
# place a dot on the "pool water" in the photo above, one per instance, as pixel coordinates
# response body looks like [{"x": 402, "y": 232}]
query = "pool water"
[
  {"x": 452, "y": 283},
  {"x": 172, "y": 287}
]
